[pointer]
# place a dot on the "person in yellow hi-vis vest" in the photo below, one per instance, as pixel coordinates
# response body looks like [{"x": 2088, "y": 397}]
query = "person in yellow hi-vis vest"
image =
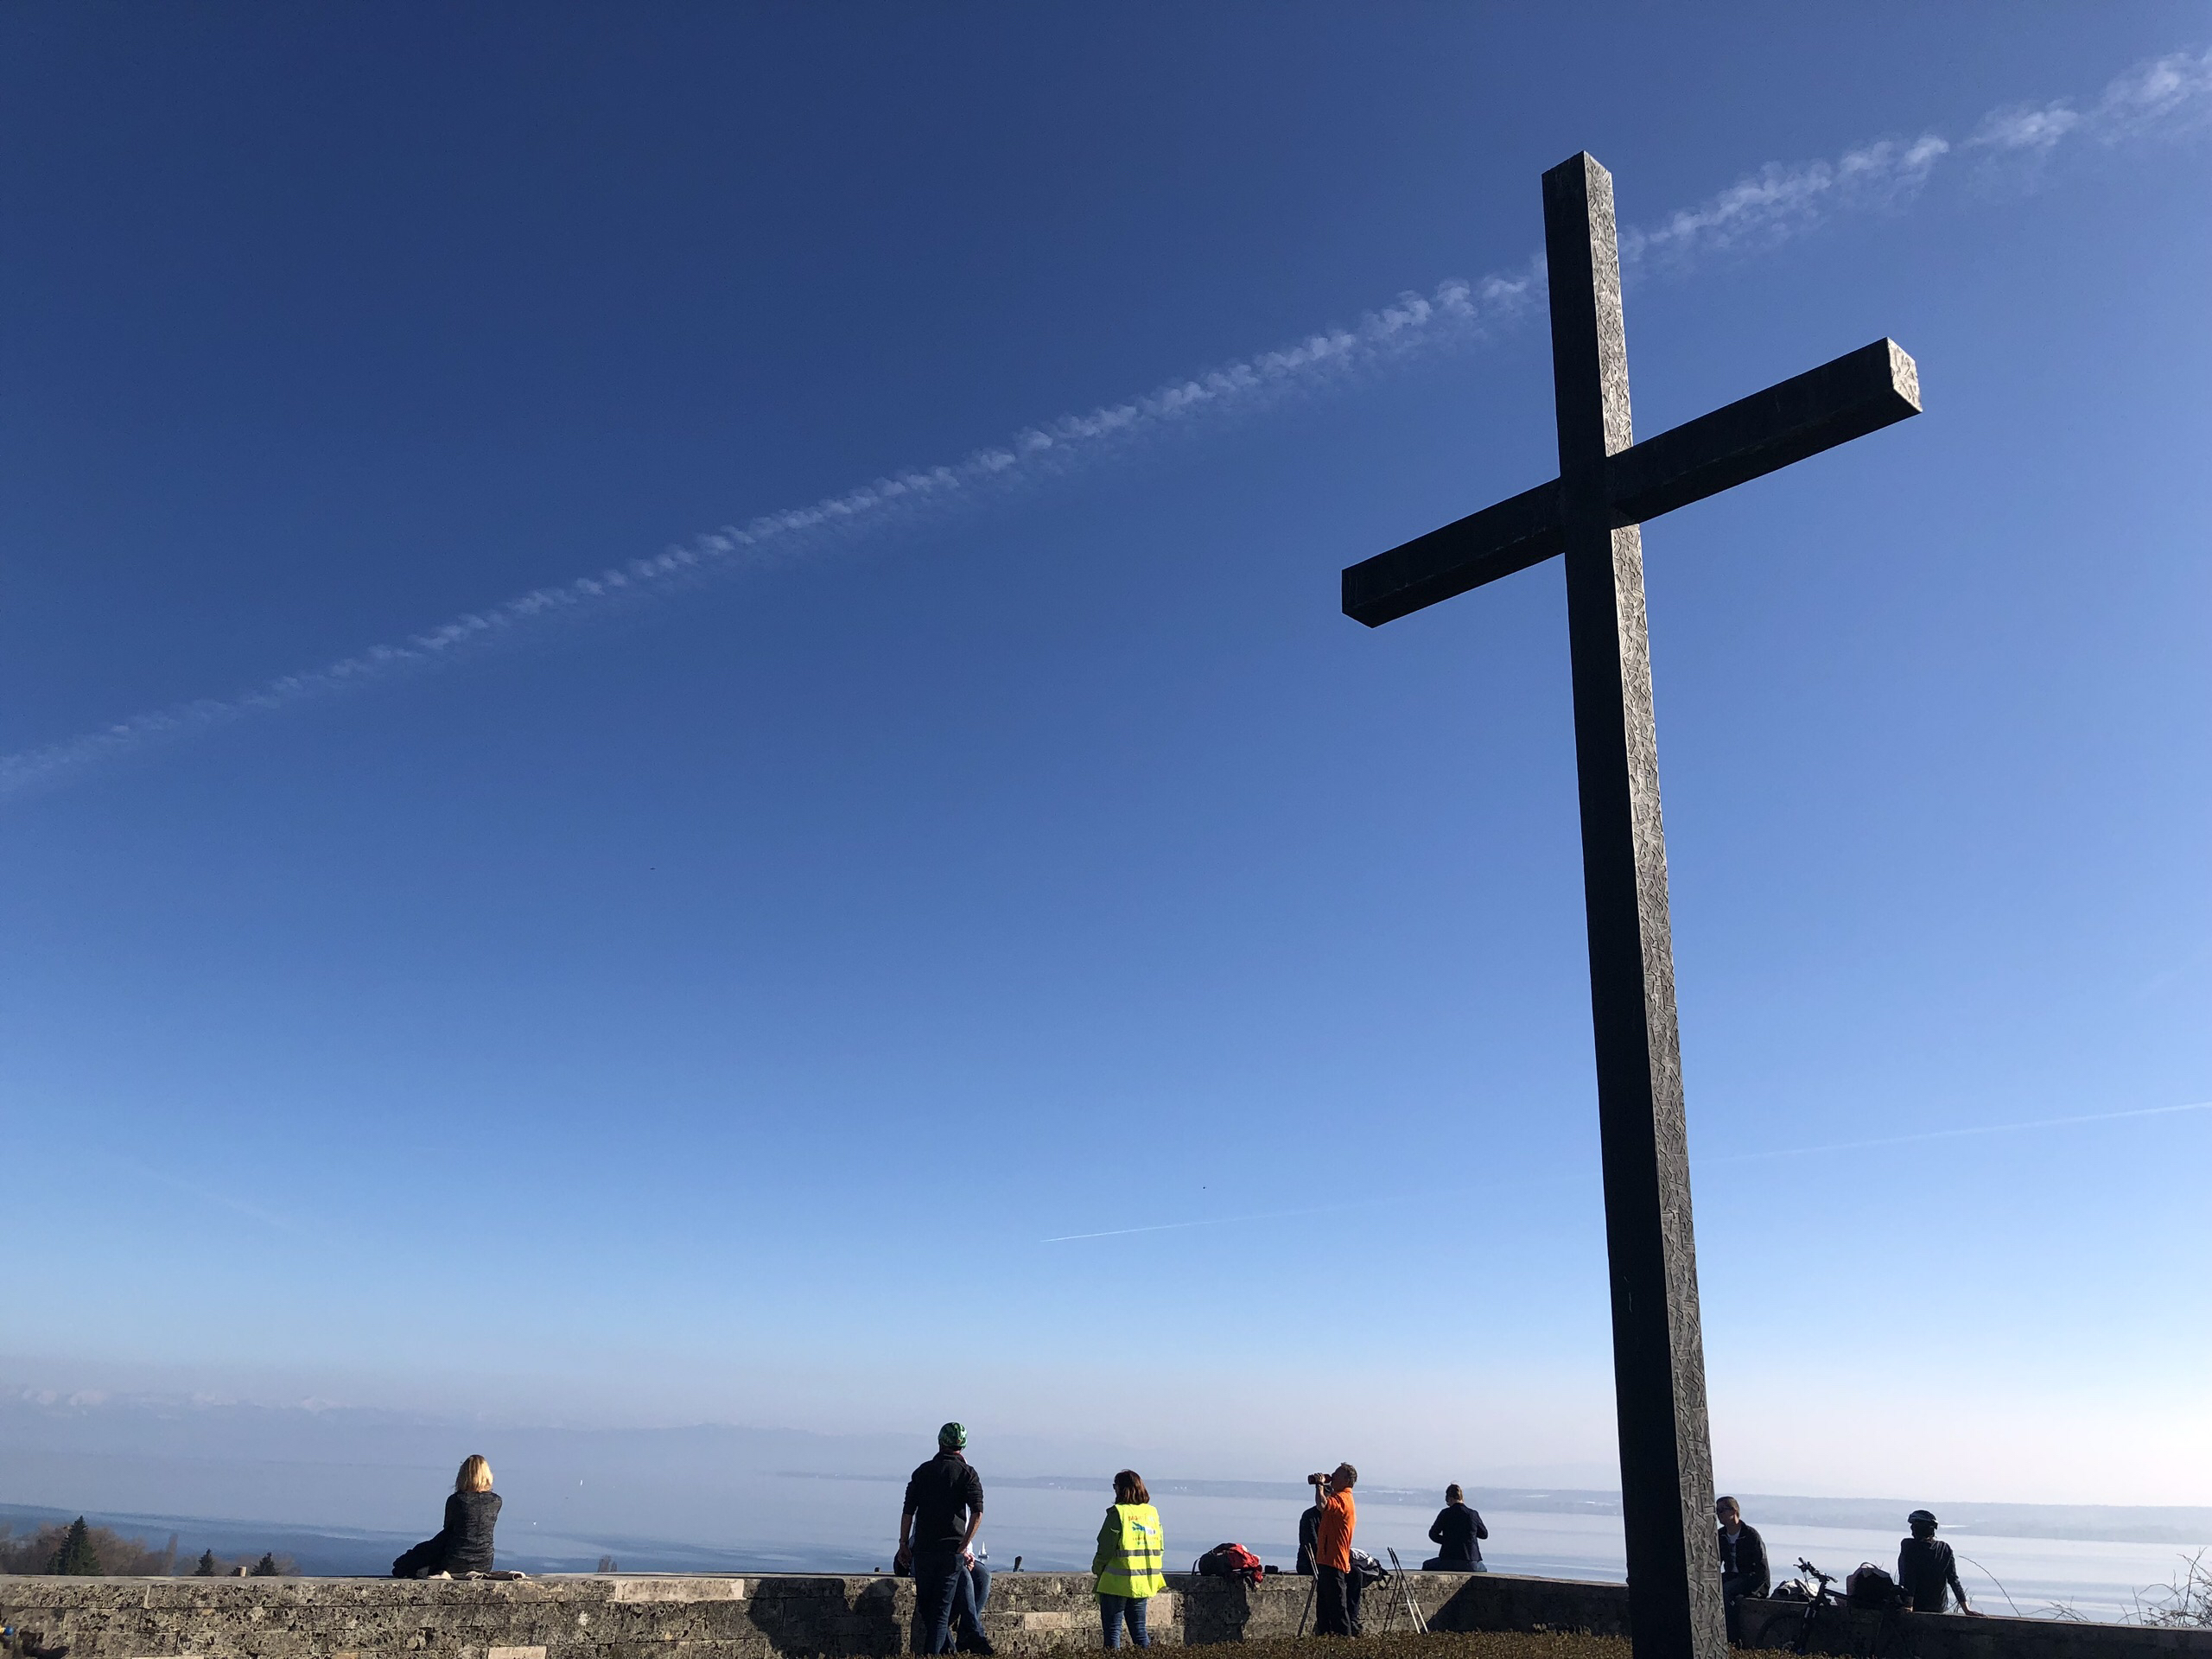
[{"x": 1131, "y": 1562}]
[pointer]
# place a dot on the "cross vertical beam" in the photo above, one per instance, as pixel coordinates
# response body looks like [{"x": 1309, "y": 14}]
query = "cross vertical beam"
[{"x": 1674, "y": 1568}]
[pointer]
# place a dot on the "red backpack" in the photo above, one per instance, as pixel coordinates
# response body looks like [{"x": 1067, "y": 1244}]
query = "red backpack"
[{"x": 1230, "y": 1562}]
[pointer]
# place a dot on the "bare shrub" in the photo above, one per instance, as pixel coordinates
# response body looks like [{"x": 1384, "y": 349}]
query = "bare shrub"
[{"x": 2184, "y": 1604}]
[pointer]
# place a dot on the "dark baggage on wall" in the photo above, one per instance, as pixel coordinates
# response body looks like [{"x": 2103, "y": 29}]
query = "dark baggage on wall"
[
  {"x": 1870, "y": 1586},
  {"x": 1230, "y": 1562}
]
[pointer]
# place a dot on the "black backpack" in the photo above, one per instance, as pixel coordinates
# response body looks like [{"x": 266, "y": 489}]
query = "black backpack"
[{"x": 1870, "y": 1586}]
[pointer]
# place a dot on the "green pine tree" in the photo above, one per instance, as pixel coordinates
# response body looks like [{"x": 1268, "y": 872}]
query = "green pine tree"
[
  {"x": 78, "y": 1557},
  {"x": 264, "y": 1568},
  {"x": 207, "y": 1567}
]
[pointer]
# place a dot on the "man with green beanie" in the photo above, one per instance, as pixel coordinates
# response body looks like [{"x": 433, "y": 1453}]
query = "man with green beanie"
[{"x": 945, "y": 1505}]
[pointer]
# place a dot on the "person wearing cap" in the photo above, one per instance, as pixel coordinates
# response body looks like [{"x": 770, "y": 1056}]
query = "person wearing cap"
[
  {"x": 1926, "y": 1567},
  {"x": 1742, "y": 1563},
  {"x": 944, "y": 1506}
]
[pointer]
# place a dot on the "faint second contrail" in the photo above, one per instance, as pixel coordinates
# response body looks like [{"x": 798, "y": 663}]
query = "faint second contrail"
[
  {"x": 2165, "y": 95},
  {"x": 1178, "y": 1226},
  {"x": 1952, "y": 1134}
]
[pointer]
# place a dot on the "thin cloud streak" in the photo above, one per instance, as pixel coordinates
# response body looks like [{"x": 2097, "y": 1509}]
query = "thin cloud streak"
[
  {"x": 1958, "y": 1134},
  {"x": 208, "y": 1195},
  {"x": 2164, "y": 97},
  {"x": 1732, "y": 1158}
]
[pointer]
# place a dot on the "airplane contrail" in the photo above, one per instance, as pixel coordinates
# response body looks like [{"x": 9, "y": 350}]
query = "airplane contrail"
[
  {"x": 1178, "y": 1226},
  {"x": 208, "y": 1195},
  {"x": 1950, "y": 1134},
  {"x": 1732, "y": 1158},
  {"x": 2162, "y": 97}
]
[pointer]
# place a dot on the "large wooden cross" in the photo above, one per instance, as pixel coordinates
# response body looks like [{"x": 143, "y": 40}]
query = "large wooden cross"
[{"x": 1607, "y": 485}]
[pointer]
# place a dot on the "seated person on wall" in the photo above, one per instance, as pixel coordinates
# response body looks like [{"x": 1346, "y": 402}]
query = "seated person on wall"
[
  {"x": 1926, "y": 1567},
  {"x": 972, "y": 1594},
  {"x": 1454, "y": 1534},
  {"x": 465, "y": 1543},
  {"x": 1309, "y": 1527},
  {"x": 1742, "y": 1563}
]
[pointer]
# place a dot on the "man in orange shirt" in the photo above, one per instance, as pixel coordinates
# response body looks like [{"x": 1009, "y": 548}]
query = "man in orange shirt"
[{"x": 1336, "y": 1589}]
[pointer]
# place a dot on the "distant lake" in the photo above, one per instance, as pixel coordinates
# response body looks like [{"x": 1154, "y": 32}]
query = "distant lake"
[{"x": 789, "y": 1523}]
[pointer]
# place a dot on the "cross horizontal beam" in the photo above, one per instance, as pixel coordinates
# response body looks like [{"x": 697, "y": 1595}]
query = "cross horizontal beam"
[{"x": 1859, "y": 392}]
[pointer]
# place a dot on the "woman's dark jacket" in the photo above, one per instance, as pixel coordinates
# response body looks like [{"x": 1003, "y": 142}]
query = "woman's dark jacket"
[
  {"x": 1454, "y": 1534},
  {"x": 470, "y": 1517}
]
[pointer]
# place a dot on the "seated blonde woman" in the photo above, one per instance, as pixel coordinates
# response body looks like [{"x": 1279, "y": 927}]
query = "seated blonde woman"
[{"x": 465, "y": 1543}]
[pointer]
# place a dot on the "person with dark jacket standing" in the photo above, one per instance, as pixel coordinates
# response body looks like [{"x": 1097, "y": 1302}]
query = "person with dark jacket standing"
[
  {"x": 1454, "y": 1534},
  {"x": 1742, "y": 1563},
  {"x": 1926, "y": 1567},
  {"x": 1309, "y": 1528},
  {"x": 945, "y": 1505},
  {"x": 464, "y": 1545}
]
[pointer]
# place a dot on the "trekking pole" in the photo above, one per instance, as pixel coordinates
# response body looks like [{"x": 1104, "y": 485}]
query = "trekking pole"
[{"x": 1406, "y": 1589}]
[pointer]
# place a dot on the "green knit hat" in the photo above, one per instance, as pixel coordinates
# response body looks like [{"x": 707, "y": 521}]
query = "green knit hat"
[{"x": 952, "y": 1437}]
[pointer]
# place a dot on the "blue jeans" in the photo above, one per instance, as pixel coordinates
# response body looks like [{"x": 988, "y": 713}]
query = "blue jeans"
[
  {"x": 1112, "y": 1609},
  {"x": 969, "y": 1591},
  {"x": 936, "y": 1588}
]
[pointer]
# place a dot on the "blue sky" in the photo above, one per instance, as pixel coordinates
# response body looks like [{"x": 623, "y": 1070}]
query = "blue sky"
[{"x": 703, "y": 996}]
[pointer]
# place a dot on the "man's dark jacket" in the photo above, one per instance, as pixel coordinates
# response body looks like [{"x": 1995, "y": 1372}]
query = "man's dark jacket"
[
  {"x": 1926, "y": 1569},
  {"x": 1751, "y": 1577},
  {"x": 943, "y": 1493}
]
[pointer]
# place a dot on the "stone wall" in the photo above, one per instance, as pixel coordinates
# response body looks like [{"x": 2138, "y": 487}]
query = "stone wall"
[
  {"x": 782, "y": 1616},
  {"x": 636, "y": 1617},
  {"x": 1778, "y": 1624}
]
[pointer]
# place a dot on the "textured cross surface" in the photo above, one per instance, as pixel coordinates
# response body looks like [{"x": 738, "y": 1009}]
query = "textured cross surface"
[{"x": 1608, "y": 484}]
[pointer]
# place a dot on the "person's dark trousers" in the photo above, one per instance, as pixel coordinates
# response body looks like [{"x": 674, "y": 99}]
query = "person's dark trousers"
[
  {"x": 970, "y": 1591},
  {"x": 1112, "y": 1609},
  {"x": 1335, "y": 1595},
  {"x": 1438, "y": 1564},
  {"x": 426, "y": 1558},
  {"x": 937, "y": 1587}
]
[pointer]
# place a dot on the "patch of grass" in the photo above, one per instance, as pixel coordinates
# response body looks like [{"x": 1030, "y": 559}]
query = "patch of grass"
[{"x": 1441, "y": 1644}]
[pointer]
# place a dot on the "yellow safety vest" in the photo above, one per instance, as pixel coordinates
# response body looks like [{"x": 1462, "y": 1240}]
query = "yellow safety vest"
[{"x": 1132, "y": 1550}]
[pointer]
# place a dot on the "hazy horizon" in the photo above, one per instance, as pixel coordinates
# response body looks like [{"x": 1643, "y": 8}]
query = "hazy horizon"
[
  {"x": 344, "y": 1490},
  {"x": 142, "y": 1452}
]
